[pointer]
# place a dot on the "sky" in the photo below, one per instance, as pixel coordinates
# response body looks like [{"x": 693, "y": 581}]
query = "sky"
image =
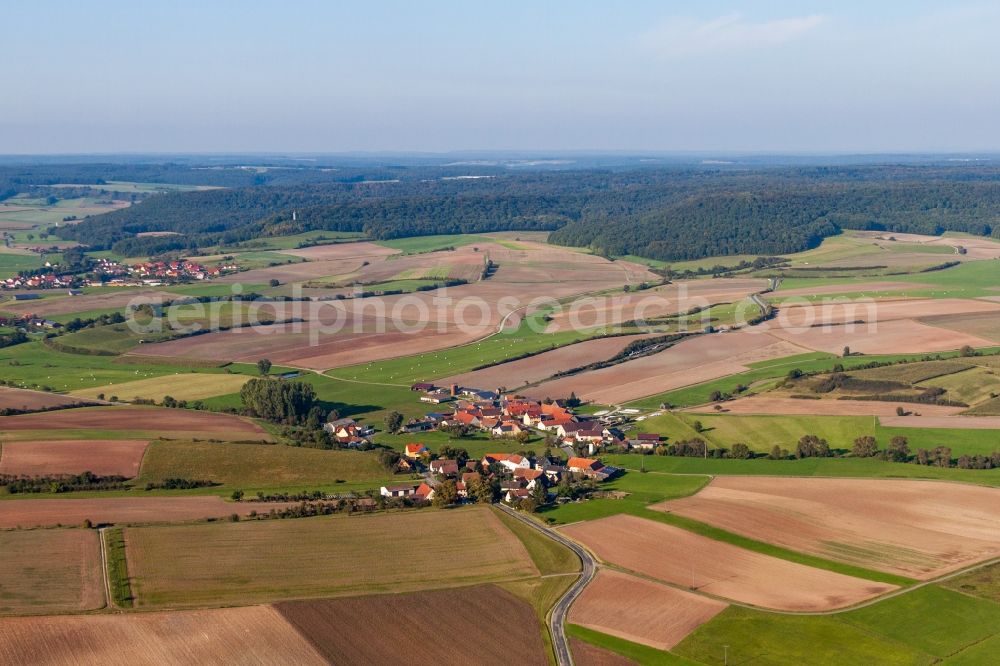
[{"x": 345, "y": 76}]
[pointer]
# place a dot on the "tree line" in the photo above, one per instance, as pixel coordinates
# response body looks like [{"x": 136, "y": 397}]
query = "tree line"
[{"x": 664, "y": 213}]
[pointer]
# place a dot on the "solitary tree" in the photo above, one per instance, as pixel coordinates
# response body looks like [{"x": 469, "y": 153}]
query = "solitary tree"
[
  {"x": 393, "y": 422},
  {"x": 847, "y": 351},
  {"x": 263, "y": 366}
]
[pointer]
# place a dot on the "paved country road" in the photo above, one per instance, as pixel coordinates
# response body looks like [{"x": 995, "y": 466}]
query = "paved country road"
[{"x": 557, "y": 619}]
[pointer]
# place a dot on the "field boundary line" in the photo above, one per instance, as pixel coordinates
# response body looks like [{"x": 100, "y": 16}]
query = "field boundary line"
[{"x": 105, "y": 572}]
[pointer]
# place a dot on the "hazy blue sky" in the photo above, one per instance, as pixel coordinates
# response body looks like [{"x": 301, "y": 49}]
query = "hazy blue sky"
[{"x": 214, "y": 75}]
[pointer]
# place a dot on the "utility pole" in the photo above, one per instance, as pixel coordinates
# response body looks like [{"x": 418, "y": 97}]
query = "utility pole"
[{"x": 725, "y": 657}]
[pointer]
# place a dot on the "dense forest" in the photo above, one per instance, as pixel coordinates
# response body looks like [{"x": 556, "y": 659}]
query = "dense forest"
[{"x": 669, "y": 213}]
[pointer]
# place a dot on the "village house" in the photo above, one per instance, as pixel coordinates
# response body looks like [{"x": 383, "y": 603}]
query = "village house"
[
  {"x": 645, "y": 440},
  {"x": 586, "y": 466},
  {"x": 516, "y": 494},
  {"x": 347, "y": 429},
  {"x": 444, "y": 467},
  {"x": 397, "y": 491},
  {"x": 414, "y": 451},
  {"x": 423, "y": 492},
  {"x": 510, "y": 461}
]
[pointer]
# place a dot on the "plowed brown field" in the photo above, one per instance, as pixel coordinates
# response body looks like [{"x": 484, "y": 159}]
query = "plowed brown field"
[
  {"x": 640, "y": 610},
  {"x": 48, "y": 512},
  {"x": 102, "y": 457},
  {"x": 684, "y": 558},
  {"x": 256, "y": 635},
  {"x": 541, "y": 366},
  {"x": 14, "y": 398},
  {"x": 920, "y": 529},
  {"x": 483, "y": 625},
  {"x": 690, "y": 361},
  {"x": 585, "y": 654},
  {"x": 165, "y": 421}
]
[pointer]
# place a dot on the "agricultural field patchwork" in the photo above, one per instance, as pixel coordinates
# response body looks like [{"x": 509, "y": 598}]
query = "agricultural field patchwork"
[
  {"x": 720, "y": 570},
  {"x": 919, "y": 529}
]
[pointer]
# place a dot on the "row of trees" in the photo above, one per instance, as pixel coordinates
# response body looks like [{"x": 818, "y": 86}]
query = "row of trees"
[{"x": 811, "y": 446}]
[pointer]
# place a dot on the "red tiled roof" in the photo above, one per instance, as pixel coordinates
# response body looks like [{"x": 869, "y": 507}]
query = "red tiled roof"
[{"x": 583, "y": 463}]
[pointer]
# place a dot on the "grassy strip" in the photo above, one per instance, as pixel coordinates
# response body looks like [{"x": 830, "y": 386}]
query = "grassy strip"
[
  {"x": 639, "y": 653},
  {"x": 550, "y": 556},
  {"x": 121, "y": 590},
  {"x": 764, "y": 548}
]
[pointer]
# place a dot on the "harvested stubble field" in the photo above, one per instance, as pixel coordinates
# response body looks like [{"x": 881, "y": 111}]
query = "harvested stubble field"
[
  {"x": 671, "y": 299},
  {"x": 544, "y": 365},
  {"x": 481, "y": 624},
  {"x": 640, "y": 610},
  {"x": 920, "y": 529},
  {"x": 50, "y": 571},
  {"x": 248, "y": 562},
  {"x": 252, "y": 635},
  {"x": 341, "y": 251},
  {"x": 895, "y": 336},
  {"x": 117, "y": 510},
  {"x": 872, "y": 289},
  {"x": 177, "y": 422},
  {"x": 956, "y": 422},
  {"x": 681, "y": 557},
  {"x": 782, "y": 404},
  {"x": 692, "y": 361},
  {"x": 23, "y": 399},
  {"x": 113, "y": 457},
  {"x": 982, "y": 325},
  {"x": 108, "y": 300},
  {"x": 181, "y": 386}
]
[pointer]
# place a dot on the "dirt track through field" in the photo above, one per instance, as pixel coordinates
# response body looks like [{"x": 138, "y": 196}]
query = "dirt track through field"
[
  {"x": 640, "y": 610},
  {"x": 920, "y": 529},
  {"x": 684, "y": 558}
]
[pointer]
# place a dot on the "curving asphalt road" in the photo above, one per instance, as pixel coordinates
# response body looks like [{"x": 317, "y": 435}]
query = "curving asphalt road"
[{"x": 557, "y": 619}]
